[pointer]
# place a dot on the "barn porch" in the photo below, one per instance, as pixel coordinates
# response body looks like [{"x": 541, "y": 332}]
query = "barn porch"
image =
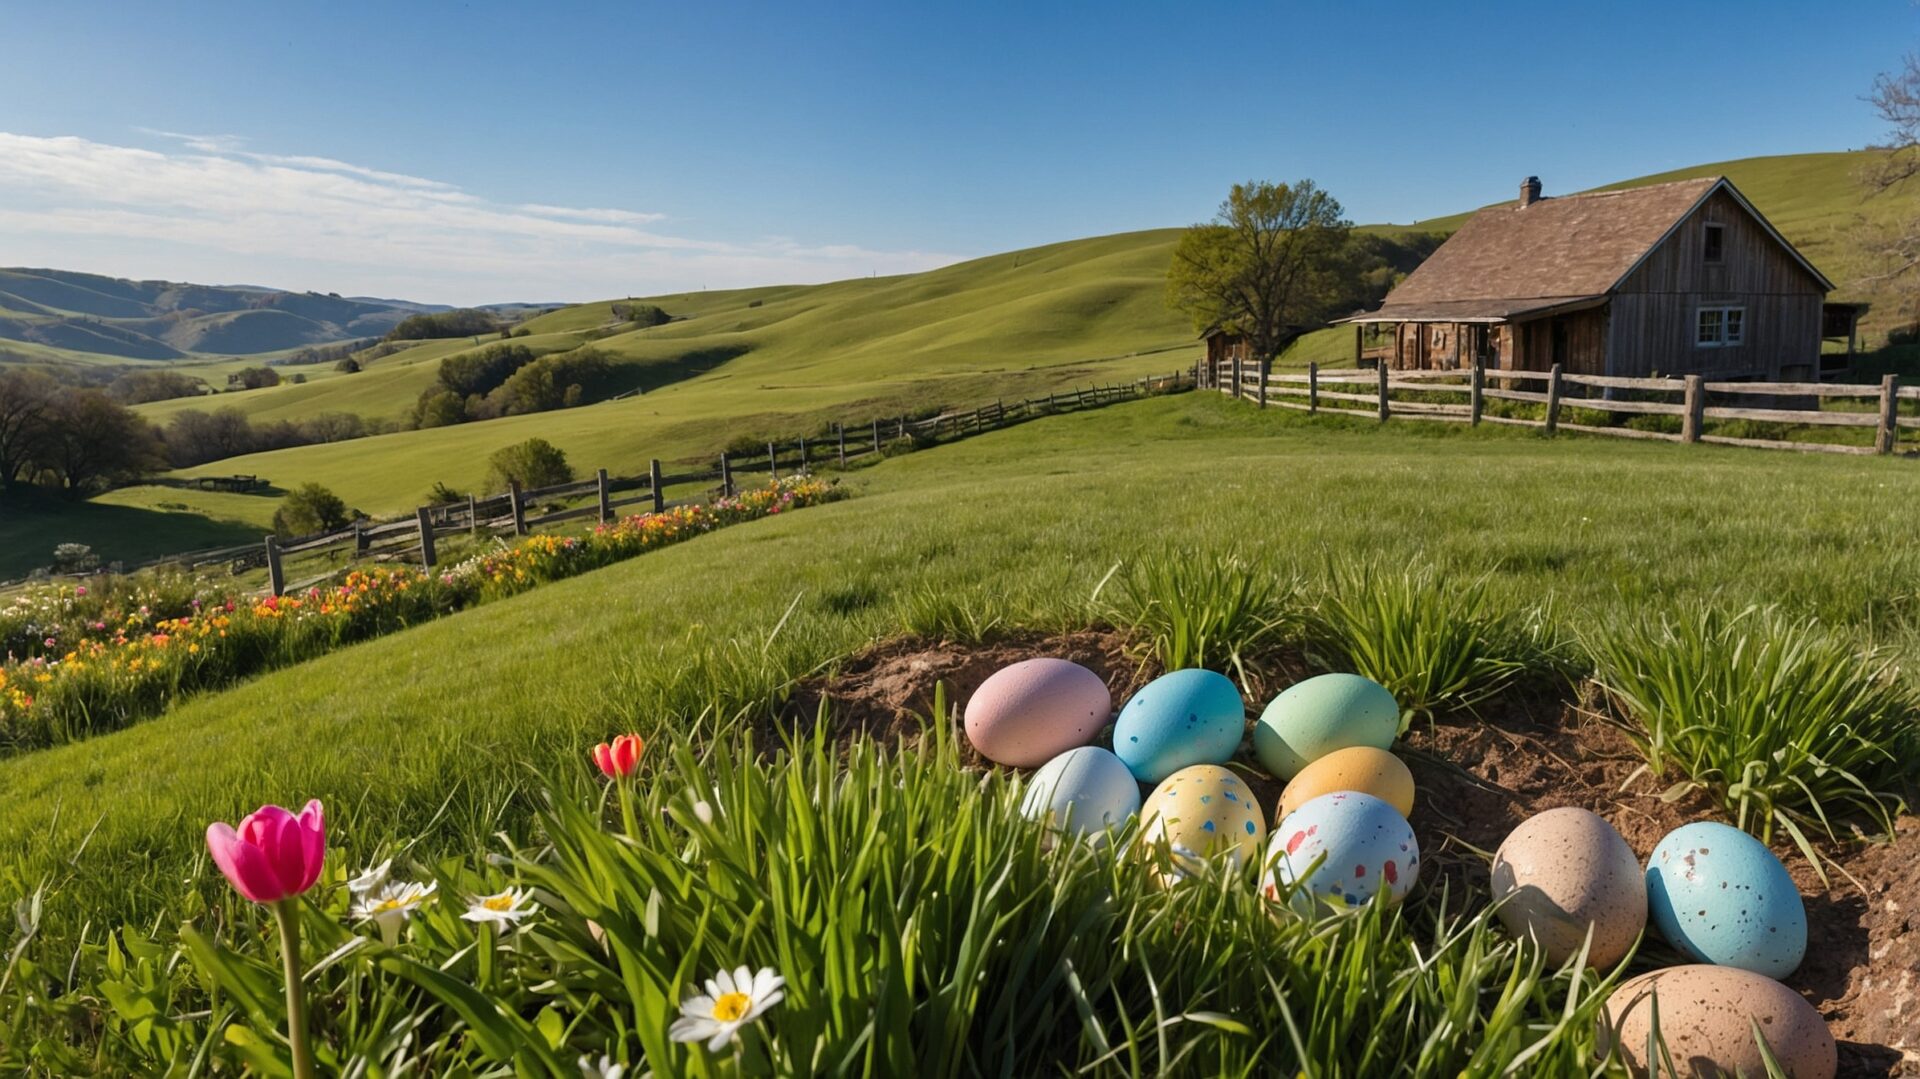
[{"x": 1492, "y": 334}]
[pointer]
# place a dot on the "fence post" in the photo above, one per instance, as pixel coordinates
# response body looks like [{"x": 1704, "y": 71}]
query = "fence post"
[
  {"x": 1889, "y": 434},
  {"x": 773, "y": 461},
  {"x": 359, "y": 539},
  {"x": 903, "y": 427},
  {"x": 1266, "y": 368},
  {"x": 876, "y": 434},
  {"x": 1313, "y": 388},
  {"x": 425, "y": 517},
  {"x": 1553, "y": 400},
  {"x": 1476, "y": 393},
  {"x": 1696, "y": 408},
  {"x": 803, "y": 455},
  {"x": 726, "y": 475},
  {"x": 600, "y": 483},
  {"x": 473, "y": 516},
  {"x": 276, "y": 577},
  {"x": 840, "y": 432},
  {"x": 1236, "y": 375},
  {"x": 519, "y": 508},
  {"x": 653, "y": 481},
  {"x": 1385, "y": 411}
]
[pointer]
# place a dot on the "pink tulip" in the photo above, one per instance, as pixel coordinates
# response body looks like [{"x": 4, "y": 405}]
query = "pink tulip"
[{"x": 273, "y": 855}]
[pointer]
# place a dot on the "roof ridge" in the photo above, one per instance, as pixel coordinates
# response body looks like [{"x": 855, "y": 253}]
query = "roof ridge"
[{"x": 1604, "y": 191}]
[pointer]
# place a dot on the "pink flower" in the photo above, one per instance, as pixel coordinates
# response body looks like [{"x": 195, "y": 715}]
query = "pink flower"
[
  {"x": 80, "y": 591},
  {"x": 273, "y": 854},
  {"x": 619, "y": 759}
]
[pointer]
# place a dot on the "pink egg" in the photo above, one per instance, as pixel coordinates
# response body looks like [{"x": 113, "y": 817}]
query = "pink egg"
[{"x": 1031, "y": 712}]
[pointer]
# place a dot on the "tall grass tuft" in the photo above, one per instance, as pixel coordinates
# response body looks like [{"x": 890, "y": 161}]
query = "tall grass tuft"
[
  {"x": 1210, "y": 609},
  {"x": 1786, "y": 722},
  {"x": 1437, "y": 645}
]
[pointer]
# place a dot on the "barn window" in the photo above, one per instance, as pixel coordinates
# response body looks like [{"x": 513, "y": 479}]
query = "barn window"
[
  {"x": 1716, "y": 327},
  {"x": 1714, "y": 247}
]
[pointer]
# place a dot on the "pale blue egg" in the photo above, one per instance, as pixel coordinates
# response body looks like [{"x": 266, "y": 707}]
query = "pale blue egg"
[
  {"x": 1084, "y": 791},
  {"x": 1178, "y": 720},
  {"x": 1720, "y": 896}
]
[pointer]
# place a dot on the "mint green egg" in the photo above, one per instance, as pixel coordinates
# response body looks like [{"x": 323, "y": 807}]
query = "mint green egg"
[{"x": 1313, "y": 718}]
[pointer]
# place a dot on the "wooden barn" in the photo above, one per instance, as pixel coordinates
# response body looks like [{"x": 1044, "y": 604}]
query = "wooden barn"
[{"x": 1671, "y": 279}]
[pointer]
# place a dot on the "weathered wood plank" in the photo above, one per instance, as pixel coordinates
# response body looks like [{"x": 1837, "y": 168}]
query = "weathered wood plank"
[
  {"x": 1784, "y": 415},
  {"x": 1779, "y": 444}
]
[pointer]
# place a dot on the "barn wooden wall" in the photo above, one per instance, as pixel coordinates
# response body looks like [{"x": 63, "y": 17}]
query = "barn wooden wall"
[{"x": 1654, "y": 309}]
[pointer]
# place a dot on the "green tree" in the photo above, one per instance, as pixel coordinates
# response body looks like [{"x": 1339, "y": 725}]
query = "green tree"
[
  {"x": 1274, "y": 258},
  {"x": 533, "y": 463},
  {"x": 308, "y": 509},
  {"x": 93, "y": 442}
]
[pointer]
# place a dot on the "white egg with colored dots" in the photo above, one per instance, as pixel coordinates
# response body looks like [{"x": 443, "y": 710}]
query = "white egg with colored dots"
[
  {"x": 1340, "y": 850},
  {"x": 1197, "y": 814}
]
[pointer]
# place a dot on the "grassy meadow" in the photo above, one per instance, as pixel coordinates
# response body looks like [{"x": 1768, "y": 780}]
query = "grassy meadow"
[{"x": 440, "y": 738}]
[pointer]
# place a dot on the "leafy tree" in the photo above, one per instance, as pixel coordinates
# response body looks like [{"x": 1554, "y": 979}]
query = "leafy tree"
[
  {"x": 308, "y": 509},
  {"x": 348, "y": 366},
  {"x": 439, "y": 408},
  {"x": 93, "y": 442},
  {"x": 194, "y": 437},
  {"x": 299, "y": 378},
  {"x": 139, "y": 387},
  {"x": 481, "y": 372},
  {"x": 462, "y": 323},
  {"x": 254, "y": 378},
  {"x": 1275, "y": 257},
  {"x": 26, "y": 401},
  {"x": 533, "y": 463},
  {"x": 643, "y": 314},
  {"x": 557, "y": 381}
]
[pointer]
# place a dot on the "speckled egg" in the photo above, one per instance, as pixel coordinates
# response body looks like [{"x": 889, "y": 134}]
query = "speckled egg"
[
  {"x": 1720, "y": 896},
  {"x": 1197, "y": 813},
  {"x": 1356, "y": 768},
  {"x": 1179, "y": 719},
  {"x": 1707, "y": 1017},
  {"x": 1362, "y": 846},
  {"x": 1313, "y": 718},
  {"x": 1084, "y": 791},
  {"x": 1564, "y": 871},
  {"x": 1030, "y": 712}
]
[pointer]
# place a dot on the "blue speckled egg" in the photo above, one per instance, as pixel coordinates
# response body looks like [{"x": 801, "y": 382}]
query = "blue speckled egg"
[
  {"x": 1084, "y": 791},
  {"x": 1197, "y": 813},
  {"x": 1362, "y": 845},
  {"x": 1178, "y": 720},
  {"x": 1720, "y": 896}
]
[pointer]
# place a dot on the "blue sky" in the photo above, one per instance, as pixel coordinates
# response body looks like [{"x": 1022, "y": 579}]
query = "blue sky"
[{"x": 482, "y": 152}]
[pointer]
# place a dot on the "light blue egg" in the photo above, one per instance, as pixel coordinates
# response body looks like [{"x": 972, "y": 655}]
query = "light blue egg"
[
  {"x": 1178, "y": 720},
  {"x": 1720, "y": 896},
  {"x": 1084, "y": 791},
  {"x": 1340, "y": 850}
]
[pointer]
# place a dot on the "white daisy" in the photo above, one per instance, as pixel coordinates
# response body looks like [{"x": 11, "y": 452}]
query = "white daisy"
[
  {"x": 370, "y": 879},
  {"x": 392, "y": 904},
  {"x": 507, "y": 908},
  {"x": 732, "y": 1000},
  {"x": 605, "y": 1068}
]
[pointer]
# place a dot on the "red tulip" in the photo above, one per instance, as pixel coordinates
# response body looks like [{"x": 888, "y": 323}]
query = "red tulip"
[
  {"x": 619, "y": 759},
  {"x": 273, "y": 854}
]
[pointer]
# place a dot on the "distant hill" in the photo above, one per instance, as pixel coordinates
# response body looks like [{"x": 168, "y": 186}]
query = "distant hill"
[{"x": 116, "y": 319}]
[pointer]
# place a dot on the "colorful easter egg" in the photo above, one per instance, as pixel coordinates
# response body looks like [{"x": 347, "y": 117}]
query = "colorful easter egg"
[
  {"x": 1085, "y": 791},
  {"x": 1708, "y": 1016},
  {"x": 1720, "y": 896},
  {"x": 1342, "y": 849},
  {"x": 1356, "y": 768},
  {"x": 1179, "y": 719},
  {"x": 1197, "y": 813},
  {"x": 1563, "y": 873},
  {"x": 1313, "y": 718},
  {"x": 1030, "y": 712}
]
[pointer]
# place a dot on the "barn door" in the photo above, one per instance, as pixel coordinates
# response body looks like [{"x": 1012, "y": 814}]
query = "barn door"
[{"x": 1560, "y": 347}]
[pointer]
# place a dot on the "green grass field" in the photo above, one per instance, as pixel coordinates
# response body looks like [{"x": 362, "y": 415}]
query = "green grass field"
[{"x": 436, "y": 738}]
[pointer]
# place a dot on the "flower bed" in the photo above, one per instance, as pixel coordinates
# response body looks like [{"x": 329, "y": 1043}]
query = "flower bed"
[{"x": 80, "y": 662}]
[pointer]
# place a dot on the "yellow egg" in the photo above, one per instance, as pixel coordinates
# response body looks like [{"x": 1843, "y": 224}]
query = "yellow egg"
[
  {"x": 1199, "y": 812},
  {"x": 1357, "y": 768}
]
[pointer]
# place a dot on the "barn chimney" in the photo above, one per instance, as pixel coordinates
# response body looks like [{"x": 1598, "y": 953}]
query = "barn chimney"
[{"x": 1529, "y": 191}]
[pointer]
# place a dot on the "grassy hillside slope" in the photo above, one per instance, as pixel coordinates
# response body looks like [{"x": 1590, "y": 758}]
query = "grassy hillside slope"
[{"x": 431, "y": 723}]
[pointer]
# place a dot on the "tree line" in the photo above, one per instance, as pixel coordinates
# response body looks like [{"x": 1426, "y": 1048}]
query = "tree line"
[{"x": 509, "y": 380}]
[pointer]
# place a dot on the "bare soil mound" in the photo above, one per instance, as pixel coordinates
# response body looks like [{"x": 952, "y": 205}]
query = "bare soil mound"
[{"x": 1478, "y": 776}]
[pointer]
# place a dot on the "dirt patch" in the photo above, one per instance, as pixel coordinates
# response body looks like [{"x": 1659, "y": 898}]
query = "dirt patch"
[{"x": 1478, "y": 777}]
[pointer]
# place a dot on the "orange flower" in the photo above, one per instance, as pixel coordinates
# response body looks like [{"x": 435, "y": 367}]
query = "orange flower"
[{"x": 619, "y": 759}]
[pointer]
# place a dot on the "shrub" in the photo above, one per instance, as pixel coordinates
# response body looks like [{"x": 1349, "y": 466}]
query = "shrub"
[
  {"x": 1786, "y": 722},
  {"x": 348, "y": 366},
  {"x": 74, "y": 558},
  {"x": 254, "y": 378},
  {"x": 308, "y": 509},
  {"x": 462, "y": 323},
  {"x": 533, "y": 463}
]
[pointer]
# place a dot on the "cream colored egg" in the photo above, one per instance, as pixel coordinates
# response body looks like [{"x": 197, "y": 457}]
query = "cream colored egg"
[
  {"x": 1196, "y": 814},
  {"x": 1707, "y": 1018},
  {"x": 1563, "y": 871},
  {"x": 1356, "y": 768}
]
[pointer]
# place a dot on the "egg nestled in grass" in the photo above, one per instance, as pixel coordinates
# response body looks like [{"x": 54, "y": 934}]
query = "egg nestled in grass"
[
  {"x": 1564, "y": 873},
  {"x": 1030, "y": 712},
  {"x": 1720, "y": 896},
  {"x": 1329, "y": 712},
  {"x": 1178, "y": 720},
  {"x": 1197, "y": 814},
  {"x": 1356, "y": 768},
  {"x": 1085, "y": 791},
  {"x": 1342, "y": 849}
]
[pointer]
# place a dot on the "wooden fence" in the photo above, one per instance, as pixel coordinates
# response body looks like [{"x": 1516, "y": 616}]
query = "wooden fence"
[
  {"x": 1557, "y": 401},
  {"x": 411, "y": 537}
]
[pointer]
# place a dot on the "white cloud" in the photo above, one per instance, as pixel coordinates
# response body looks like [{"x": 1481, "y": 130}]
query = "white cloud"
[{"x": 217, "y": 212}]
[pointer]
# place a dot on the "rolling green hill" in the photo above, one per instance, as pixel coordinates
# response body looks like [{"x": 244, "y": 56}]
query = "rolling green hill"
[{"x": 777, "y": 360}]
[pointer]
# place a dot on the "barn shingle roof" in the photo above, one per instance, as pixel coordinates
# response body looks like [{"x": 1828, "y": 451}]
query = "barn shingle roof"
[{"x": 1507, "y": 260}]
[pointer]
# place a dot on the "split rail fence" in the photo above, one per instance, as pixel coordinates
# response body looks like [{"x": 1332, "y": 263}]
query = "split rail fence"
[
  {"x": 1693, "y": 403},
  {"x": 411, "y": 538}
]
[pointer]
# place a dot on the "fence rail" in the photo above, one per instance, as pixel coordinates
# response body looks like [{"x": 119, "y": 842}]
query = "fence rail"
[
  {"x": 516, "y": 511},
  {"x": 1693, "y": 401}
]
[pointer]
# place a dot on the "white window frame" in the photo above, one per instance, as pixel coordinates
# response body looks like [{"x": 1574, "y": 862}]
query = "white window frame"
[{"x": 1731, "y": 330}]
